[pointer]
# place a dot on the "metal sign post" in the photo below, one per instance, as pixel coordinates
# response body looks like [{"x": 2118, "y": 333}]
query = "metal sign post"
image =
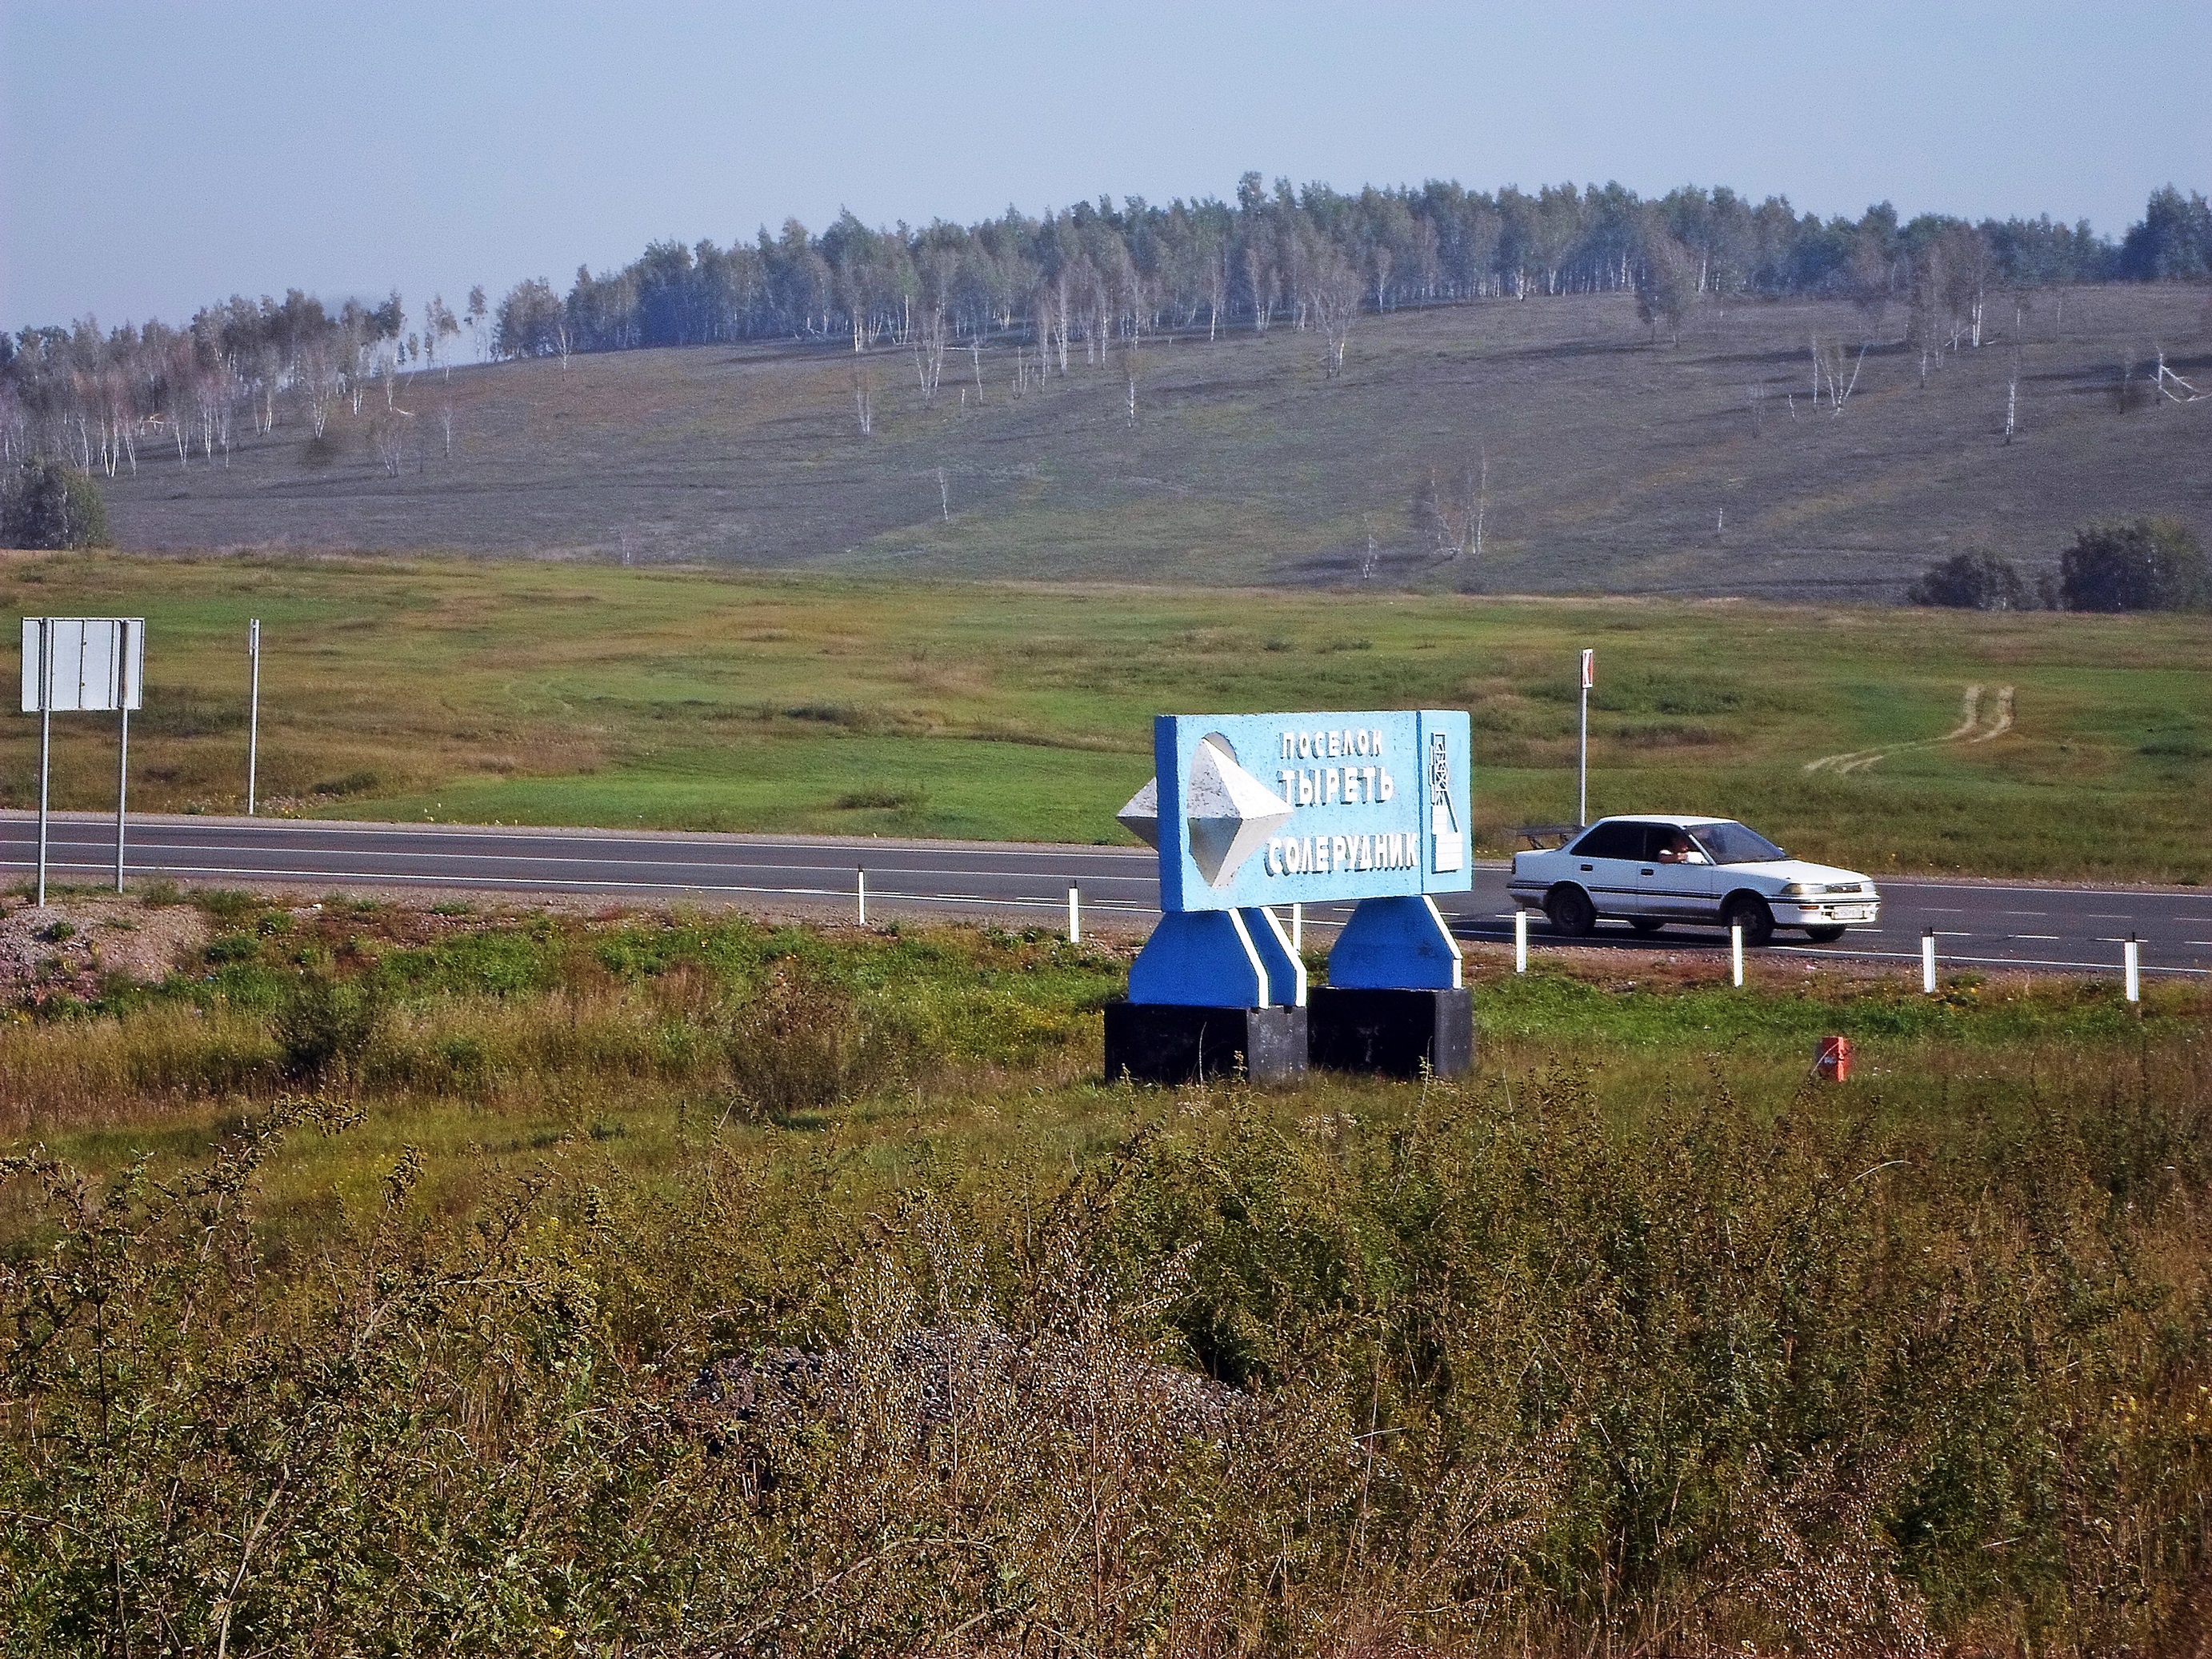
[
  {"x": 253, "y": 711},
  {"x": 1581, "y": 769},
  {"x": 46, "y": 695},
  {"x": 123, "y": 756},
  {"x": 83, "y": 663}
]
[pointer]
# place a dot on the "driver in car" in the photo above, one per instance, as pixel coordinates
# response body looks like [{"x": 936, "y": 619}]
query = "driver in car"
[{"x": 1676, "y": 849}]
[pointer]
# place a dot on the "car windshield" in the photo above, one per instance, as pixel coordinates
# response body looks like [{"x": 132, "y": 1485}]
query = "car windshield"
[{"x": 1732, "y": 843}]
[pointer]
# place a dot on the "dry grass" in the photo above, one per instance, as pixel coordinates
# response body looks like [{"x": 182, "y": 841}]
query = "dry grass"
[
  {"x": 1611, "y": 459},
  {"x": 666, "y": 1283}
]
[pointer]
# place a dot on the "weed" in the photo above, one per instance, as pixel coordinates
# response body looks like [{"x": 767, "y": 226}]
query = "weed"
[
  {"x": 855, "y": 800},
  {"x": 226, "y": 904}
]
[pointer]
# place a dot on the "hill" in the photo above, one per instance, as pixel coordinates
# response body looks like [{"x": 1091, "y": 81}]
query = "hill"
[{"x": 1615, "y": 463}]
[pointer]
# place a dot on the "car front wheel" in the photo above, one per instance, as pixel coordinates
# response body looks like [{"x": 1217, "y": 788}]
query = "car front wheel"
[
  {"x": 1749, "y": 912},
  {"x": 1571, "y": 911}
]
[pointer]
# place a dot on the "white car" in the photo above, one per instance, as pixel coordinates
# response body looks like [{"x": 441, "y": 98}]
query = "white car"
[{"x": 1654, "y": 868}]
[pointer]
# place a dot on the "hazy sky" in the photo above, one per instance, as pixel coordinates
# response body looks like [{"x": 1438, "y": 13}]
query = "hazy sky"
[{"x": 160, "y": 155}]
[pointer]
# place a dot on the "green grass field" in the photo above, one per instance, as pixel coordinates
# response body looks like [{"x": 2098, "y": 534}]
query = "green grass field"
[
  {"x": 360, "y": 1280},
  {"x": 577, "y": 693}
]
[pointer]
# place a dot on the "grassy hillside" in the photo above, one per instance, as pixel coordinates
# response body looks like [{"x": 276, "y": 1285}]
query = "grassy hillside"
[
  {"x": 564, "y": 693},
  {"x": 1613, "y": 458},
  {"x": 520, "y": 1284}
]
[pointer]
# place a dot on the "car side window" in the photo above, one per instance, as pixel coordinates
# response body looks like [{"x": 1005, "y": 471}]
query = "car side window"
[
  {"x": 1669, "y": 843},
  {"x": 1612, "y": 841}
]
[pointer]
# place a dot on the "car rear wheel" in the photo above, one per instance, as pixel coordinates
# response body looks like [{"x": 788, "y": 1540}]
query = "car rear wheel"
[
  {"x": 1748, "y": 911},
  {"x": 1571, "y": 911},
  {"x": 1824, "y": 935},
  {"x": 1645, "y": 925}
]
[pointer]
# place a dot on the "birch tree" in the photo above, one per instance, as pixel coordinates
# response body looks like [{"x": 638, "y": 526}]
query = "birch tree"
[
  {"x": 1334, "y": 295},
  {"x": 320, "y": 375},
  {"x": 1666, "y": 284},
  {"x": 439, "y": 326},
  {"x": 1450, "y": 506}
]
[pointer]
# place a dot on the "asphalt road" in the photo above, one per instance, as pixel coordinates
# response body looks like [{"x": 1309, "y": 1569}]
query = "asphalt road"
[{"x": 1979, "y": 923}]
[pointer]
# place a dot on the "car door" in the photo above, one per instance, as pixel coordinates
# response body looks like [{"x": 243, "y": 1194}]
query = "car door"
[
  {"x": 1606, "y": 862},
  {"x": 1673, "y": 889}
]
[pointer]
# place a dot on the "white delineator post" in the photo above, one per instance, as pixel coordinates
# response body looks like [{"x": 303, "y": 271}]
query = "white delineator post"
[
  {"x": 1582, "y": 767},
  {"x": 1074, "y": 914},
  {"x": 1736, "y": 952},
  {"x": 253, "y": 710},
  {"x": 1519, "y": 941},
  {"x": 860, "y": 890},
  {"x": 2131, "y": 967},
  {"x": 1928, "y": 961}
]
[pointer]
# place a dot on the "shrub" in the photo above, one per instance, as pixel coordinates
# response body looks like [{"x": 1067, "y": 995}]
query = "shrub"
[
  {"x": 325, "y": 1025},
  {"x": 797, "y": 1044},
  {"x": 1972, "y": 581},
  {"x": 2135, "y": 564},
  {"x": 47, "y": 505}
]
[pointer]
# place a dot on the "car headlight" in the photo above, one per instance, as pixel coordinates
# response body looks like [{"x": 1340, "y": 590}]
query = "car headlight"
[{"x": 1799, "y": 890}]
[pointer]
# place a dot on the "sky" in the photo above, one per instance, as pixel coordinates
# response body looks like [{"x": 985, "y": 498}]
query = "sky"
[{"x": 155, "y": 157}]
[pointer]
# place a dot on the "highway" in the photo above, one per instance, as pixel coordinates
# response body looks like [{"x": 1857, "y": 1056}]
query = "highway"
[{"x": 2051, "y": 926}]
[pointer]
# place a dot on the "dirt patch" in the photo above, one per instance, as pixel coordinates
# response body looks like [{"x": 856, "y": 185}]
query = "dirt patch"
[{"x": 72, "y": 947}]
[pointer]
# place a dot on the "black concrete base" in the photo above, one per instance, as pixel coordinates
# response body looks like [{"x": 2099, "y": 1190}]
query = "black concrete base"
[
  {"x": 1393, "y": 1032},
  {"x": 1164, "y": 1042}
]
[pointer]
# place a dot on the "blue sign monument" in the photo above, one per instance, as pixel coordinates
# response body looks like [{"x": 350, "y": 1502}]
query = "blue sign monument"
[{"x": 1251, "y": 813}]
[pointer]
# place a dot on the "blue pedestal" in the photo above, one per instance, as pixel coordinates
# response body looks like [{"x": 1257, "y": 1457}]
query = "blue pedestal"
[
  {"x": 1217, "y": 959},
  {"x": 1395, "y": 945}
]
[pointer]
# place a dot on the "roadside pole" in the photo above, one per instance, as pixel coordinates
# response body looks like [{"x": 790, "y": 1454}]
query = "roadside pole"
[
  {"x": 123, "y": 759},
  {"x": 1581, "y": 769},
  {"x": 46, "y": 738},
  {"x": 2131, "y": 967},
  {"x": 1519, "y": 941},
  {"x": 1074, "y": 914},
  {"x": 1928, "y": 962},
  {"x": 1736, "y": 953},
  {"x": 860, "y": 890},
  {"x": 253, "y": 711}
]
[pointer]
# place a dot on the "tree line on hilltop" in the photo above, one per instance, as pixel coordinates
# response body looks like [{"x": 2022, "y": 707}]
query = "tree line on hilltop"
[{"x": 1087, "y": 278}]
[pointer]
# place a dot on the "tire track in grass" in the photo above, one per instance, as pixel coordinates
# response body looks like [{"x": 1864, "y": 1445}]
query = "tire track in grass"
[
  {"x": 1969, "y": 717},
  {"x": 2002, "y": 723}
]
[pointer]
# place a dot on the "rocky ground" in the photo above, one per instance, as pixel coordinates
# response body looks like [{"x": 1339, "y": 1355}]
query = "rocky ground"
[{"x": 72, "y": 947}]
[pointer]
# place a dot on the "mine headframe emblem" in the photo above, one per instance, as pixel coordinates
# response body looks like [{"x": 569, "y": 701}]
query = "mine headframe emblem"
[{"x": 1447, "y": 837}]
